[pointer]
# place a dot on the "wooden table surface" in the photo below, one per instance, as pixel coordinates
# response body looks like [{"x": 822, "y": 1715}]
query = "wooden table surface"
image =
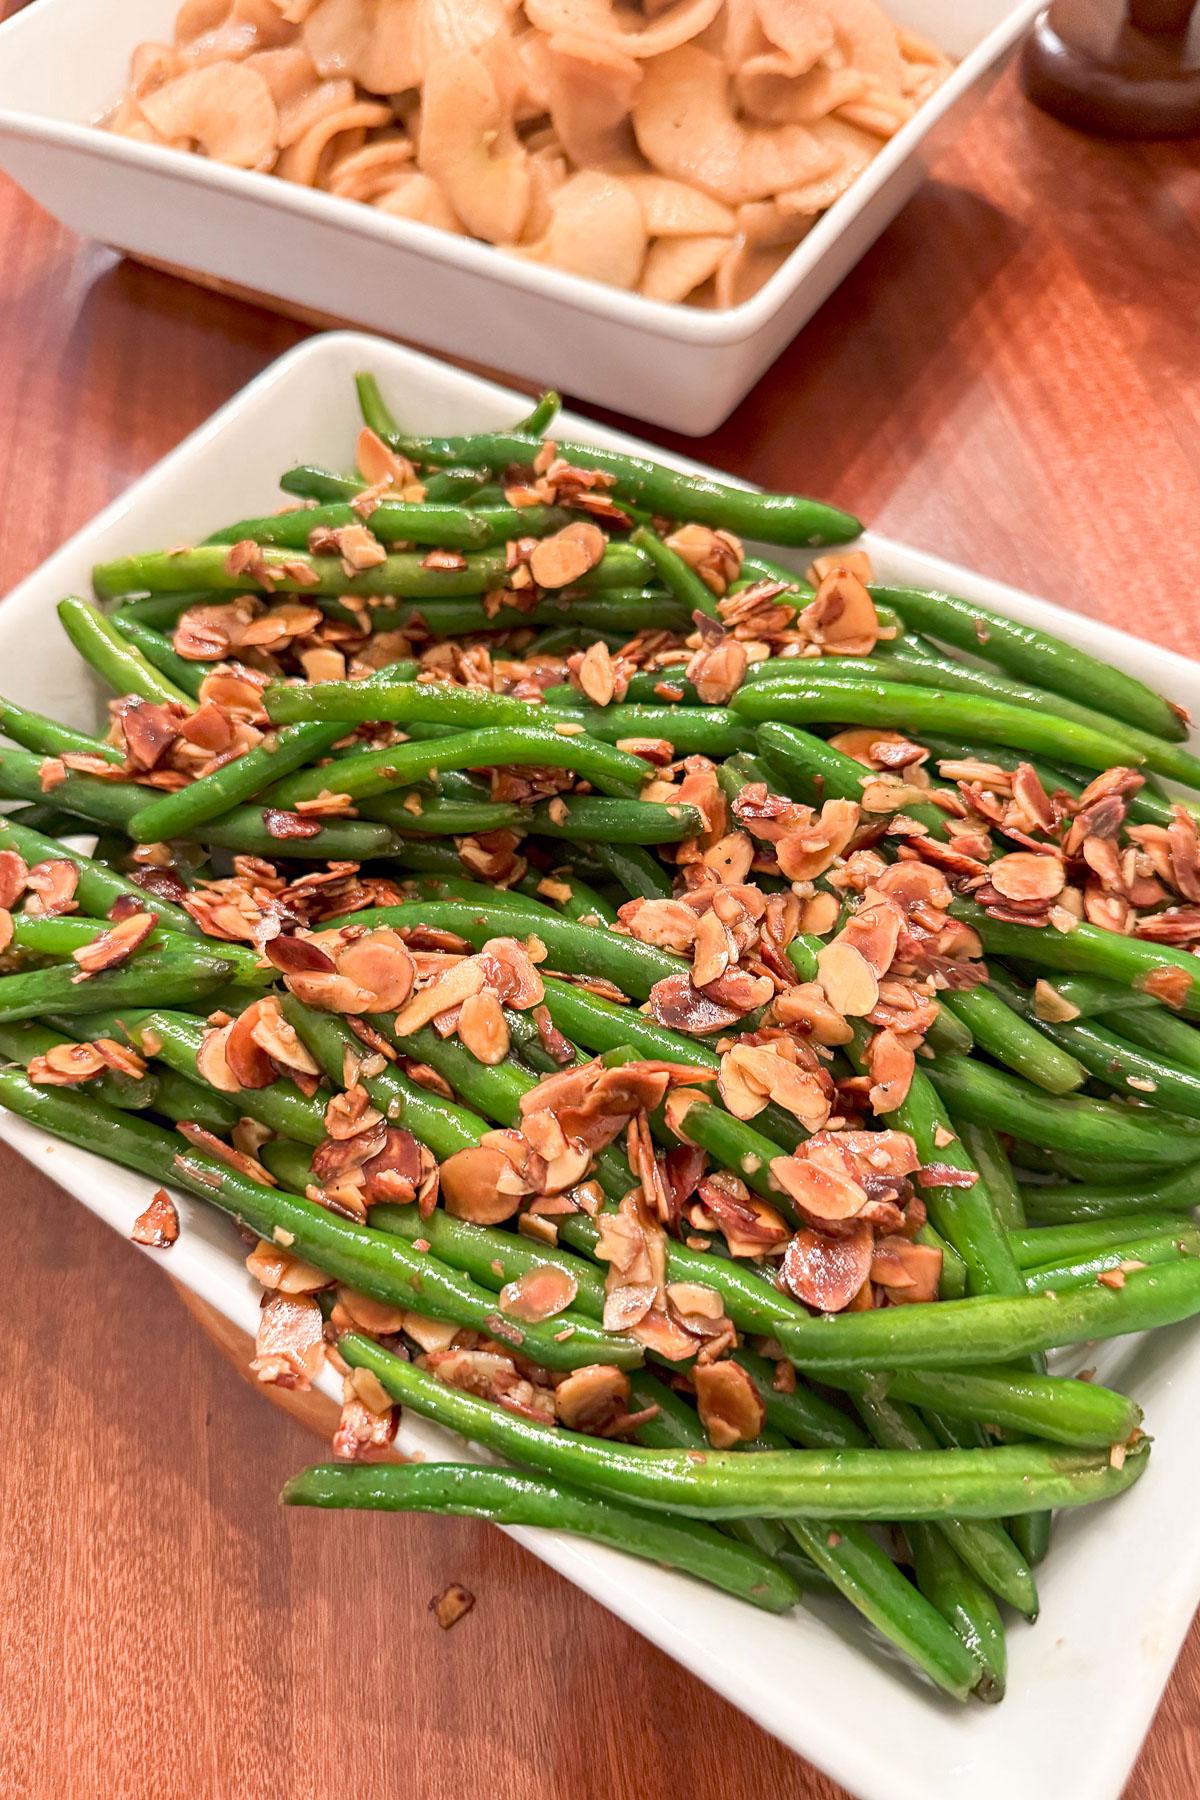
[{"x": 1009, "y": 378}]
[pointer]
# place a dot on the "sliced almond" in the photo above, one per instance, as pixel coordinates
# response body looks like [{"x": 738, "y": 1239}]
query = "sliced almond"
[{"x": 729, "y": 1405}]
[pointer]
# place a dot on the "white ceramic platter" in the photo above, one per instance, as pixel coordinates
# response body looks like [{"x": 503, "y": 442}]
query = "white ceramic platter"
[
  {"x": 63, "y": 64},
  {"x": 1122, "y": 1580}
]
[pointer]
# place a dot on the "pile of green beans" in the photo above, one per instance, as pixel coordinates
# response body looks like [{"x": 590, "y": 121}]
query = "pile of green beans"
[{"x": 1054, "y": 1109}]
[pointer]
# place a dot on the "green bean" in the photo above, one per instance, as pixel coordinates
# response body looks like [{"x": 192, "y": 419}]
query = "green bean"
[
  {"x": 1085, "y": 950},
  {"x": 179, "y": 814},
  {"x": 642, "y": 876},
  {"x": 176, "y": 1038},
  {"x": 437, "y": 703},
  {"x": 291, "y": 1165},
  {"x": 375, "y": 411},
  {"x": 1165, "y": 758},
  {"x": 632, "y": 966},
  {"x": 992, "y": 1328},
  {"x": 60, "y": 936},
  {"x": 842, "y": 701},
  {"x": 1155, "y": 1029},
  {"x": 1054, "y": 1407},
  {"x": 178, "y": 1098},
  {"x": 805, "y": 767},
  {"x": 677, "y": 576},
  {"x": 163, "y": 611},
  {"x": 615, "y": 609},
  {"x": 290, "y": 572},
  {"x": 490, "y": 1256},
  {"x": 628, "y": 822},
  {"x": 308, "y": 482},
  {"x": 1037, "y": 656},
  {"x": 1144, "y": 1252},
  {"x": 948, "y": 1032},
  {"x": 559, "y": 640},
  {"x": 115, "y": 660},
  {"x": 1046, "y": 1204},
  {"x": 964, "y": 1215},
  {"x": 644, "y": 686},
  {"x": 98, "y": 887},
  {"x": 990, "y": 1096},
  {"x": 691, "y": 730},
  {"x": 246, "y": 830},
  {"x": 434, "y": 816},
  {"x": 987, "y": 1154},
  {"x": 158, "y": 650},
  {"x": 1039, "y": 1244},
  {"x": 242, "y": 829},
  {"x": 35, "y": 732},
  {"x": 965, "y": 1604},
  {"x": 769, "y": 518},
  {"x": 576, "y": 817},
  {"x": 367, "y": 772},
  {"x": 582, "y": 902},
  {"x": 1092, "y": 996},
  {"x": 22, "y": 1042},
  {"x": 509, "y": 1497},
  {"x": 983, "y": 1544},
  {"x": 172, "y": 978},
  {"x": 1127, "y": 1069},
  {"x": 450, "y": 527},
  {"x": 866, "y": 1484},
  {"x": 848, "y": 1558},
  {"x": 440, "y": 1124},
  {"x": 1021, "y": 1045}
]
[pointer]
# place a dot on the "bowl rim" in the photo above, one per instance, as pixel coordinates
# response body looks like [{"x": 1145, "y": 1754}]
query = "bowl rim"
[{"x": 673, "y": 320}]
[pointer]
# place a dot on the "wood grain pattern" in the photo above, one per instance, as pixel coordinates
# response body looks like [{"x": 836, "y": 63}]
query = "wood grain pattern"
[{"x": 1010, "y": 378}]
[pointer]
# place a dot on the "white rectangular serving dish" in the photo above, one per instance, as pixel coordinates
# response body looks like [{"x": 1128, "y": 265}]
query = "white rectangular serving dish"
[
  {"x": 63, "y": 64},
  {"x": 1122, "y": 1580}
]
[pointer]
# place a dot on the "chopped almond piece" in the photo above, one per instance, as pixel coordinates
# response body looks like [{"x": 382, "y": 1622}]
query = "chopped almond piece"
[
  {"x": 158, "y": 1226},
  {"x": 451, "y": 1605},
  {"x": 115, "y": 946}
]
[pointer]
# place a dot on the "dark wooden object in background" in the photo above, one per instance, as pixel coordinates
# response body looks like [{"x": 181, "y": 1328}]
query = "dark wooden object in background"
[
  {"x": 1009, "y": 378},
  {"x": 1122, "y": 68}
]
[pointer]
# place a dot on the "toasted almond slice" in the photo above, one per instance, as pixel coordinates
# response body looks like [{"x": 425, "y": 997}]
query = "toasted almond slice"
[
  {"x": 568, "y": 554},
  {"x": 827, "y": 1272},
  {"x": 729, "y": 1405},
  {"x": 471, "y": 1185},
  {"x": 850, "y": 983},
  {"x": 539, "y": 1294},
  {"x": 448, "y": 991},
  {"x": 1023, "y": 875},
  {"x": 822, "y": 1192},
  {"x": 592, "y": 1399}
]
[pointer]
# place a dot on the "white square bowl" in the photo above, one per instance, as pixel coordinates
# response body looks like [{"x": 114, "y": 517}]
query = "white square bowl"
[
  {"x": 1122, "y": 1581},
  {"x": 63, "y": 64}
]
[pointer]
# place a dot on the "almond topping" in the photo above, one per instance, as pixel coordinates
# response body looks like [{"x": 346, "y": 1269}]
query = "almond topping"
[
  {"x": 1023, "y": 875},
  {"x": 729, "y": 1405},
  {"x": 158, "y": 1226},
  {"x": 850, "y": 983},
  {"x": 567, "y": 555},
  {"x": 538, "y": 1294}
]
